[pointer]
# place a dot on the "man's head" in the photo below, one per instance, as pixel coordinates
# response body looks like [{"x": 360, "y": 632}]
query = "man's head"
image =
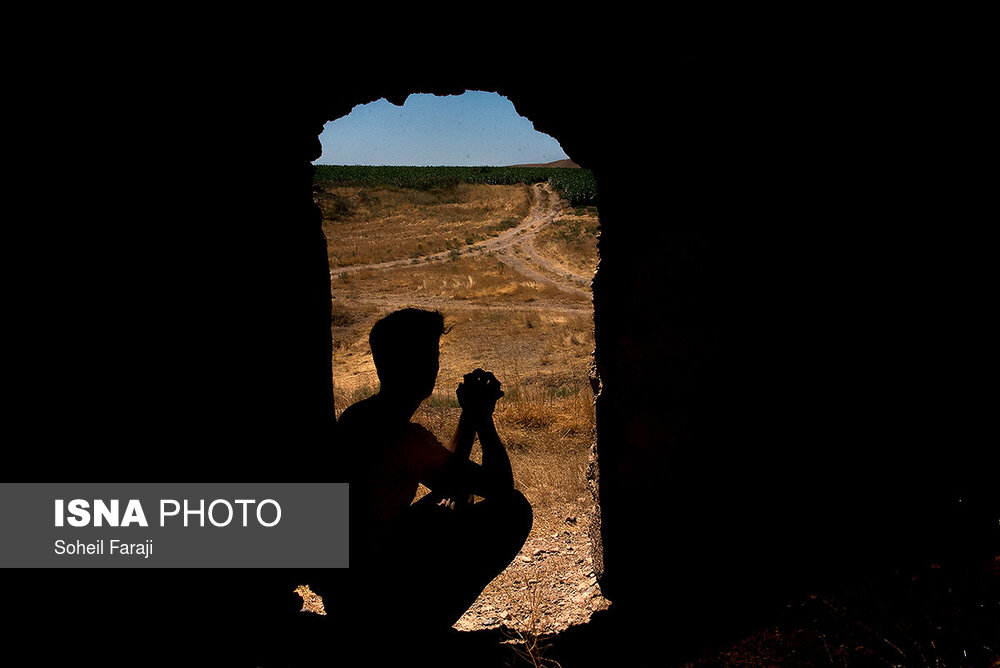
[{"x": 405, "y": 350}]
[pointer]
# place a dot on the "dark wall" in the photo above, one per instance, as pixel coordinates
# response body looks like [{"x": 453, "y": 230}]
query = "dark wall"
[
  {"x": 785, "y": 392},
  {"x": 788, "y": 307}
]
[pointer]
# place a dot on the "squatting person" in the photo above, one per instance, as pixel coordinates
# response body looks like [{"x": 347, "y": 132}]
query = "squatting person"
[{"x": 427, "y": 561}]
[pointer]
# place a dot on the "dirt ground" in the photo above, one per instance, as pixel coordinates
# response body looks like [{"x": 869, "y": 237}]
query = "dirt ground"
[{"x": 550, "y": 586}]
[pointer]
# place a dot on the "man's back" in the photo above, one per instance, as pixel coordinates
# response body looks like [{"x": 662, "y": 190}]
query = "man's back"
[
  {"x": 387, "y": 459},
  {"x": 439, "y": 553}
]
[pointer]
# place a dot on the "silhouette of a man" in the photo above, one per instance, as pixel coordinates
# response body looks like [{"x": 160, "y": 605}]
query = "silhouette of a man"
[{"x": 431, "y": 559}]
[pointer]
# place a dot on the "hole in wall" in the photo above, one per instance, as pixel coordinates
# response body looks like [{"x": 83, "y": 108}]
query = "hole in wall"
[{"x": 457, "y": 204}]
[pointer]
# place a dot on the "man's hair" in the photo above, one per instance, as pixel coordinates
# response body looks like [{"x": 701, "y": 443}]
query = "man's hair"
[{"x": 403, "y": 334}]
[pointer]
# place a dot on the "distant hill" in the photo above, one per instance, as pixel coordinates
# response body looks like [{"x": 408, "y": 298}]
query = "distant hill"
[{"x": 558, "y": 163}]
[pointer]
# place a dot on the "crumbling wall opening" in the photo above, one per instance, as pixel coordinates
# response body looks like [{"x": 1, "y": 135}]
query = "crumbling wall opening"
[{"x": 508, "y": 259}]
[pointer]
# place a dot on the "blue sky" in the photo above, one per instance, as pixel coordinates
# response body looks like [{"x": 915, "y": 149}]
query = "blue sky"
[{"x": 475, "y": 128}]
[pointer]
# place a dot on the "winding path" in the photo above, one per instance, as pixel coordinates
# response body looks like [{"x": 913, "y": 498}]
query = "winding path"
[{"x": 515, "y": 247}]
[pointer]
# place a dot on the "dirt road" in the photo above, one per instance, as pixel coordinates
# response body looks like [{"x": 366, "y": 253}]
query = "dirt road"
[{"x": 515, "y": 247}]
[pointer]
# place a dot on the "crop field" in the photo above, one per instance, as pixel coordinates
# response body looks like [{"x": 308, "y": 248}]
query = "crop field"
[{"x": 577, "y": 186}]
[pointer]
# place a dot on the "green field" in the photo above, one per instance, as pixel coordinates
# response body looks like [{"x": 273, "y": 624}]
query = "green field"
[{"x": 576, "y": 185}]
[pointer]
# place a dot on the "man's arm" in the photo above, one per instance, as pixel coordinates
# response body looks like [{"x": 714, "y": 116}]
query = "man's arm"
[
  {"x": 459, "y": 478},
  {"x": 498, "y": 475},
  {"x": 478, "y": 395},
  {"x": 465, "y": 434}
]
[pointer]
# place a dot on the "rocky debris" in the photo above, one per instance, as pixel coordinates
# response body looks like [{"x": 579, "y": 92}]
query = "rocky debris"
[
  {"x": 549, "y": 587},
  {"x": 311, "y": 601}
]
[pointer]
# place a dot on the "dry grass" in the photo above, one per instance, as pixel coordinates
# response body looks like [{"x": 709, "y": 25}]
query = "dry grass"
[
  {"x": 479, "y": 277},
  {"x": 570, "y": 242},
  {"x": 368, "y": 225},
  {"x": 532, "y": 352},
  {"x": 526, "y": 635}
]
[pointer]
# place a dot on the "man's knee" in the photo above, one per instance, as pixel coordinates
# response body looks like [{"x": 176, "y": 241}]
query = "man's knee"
[{"x": 520, "y": 514}]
